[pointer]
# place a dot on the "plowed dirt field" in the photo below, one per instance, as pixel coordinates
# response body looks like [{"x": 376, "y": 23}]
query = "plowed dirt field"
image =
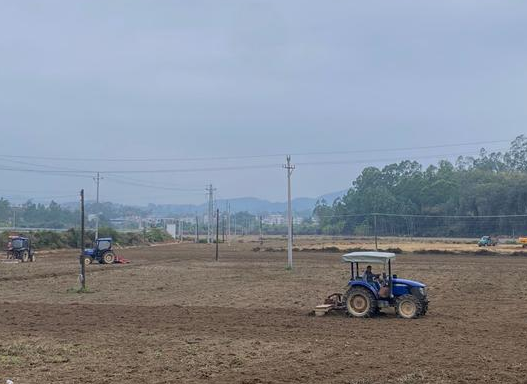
[{"x": 174, "y": 315}]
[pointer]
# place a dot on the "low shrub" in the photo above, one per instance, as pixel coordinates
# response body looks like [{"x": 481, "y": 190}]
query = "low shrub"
[{"x": 71, "y": 238}]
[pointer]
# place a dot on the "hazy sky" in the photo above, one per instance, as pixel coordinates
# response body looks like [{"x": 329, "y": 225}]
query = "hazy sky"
[{"x": 184, "y": 79}]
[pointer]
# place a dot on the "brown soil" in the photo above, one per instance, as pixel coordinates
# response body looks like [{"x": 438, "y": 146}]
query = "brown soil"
[
  {"x": 408, "y": 245},
  {"x": 176, "y": 316}
]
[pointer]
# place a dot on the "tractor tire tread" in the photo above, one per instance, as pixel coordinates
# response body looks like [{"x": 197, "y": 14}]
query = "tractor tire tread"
[
  {"x": 421, "y": 308},
  {"x": 372, "y": 310},
  {"x": 104, "y": 256}
]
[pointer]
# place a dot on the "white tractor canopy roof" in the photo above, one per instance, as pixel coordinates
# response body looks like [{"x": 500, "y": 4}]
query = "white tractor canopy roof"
[{"x": 368, "y": 257}]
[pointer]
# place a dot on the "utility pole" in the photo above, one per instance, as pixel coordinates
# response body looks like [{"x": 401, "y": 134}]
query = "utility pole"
[
  {"x": 223, "y": 228},
  {"x": 261, "y": 232},
  {"x": 197, "y": 229},
  {"x": 210, "y": 215},
  {"x": 217, "y": 234},
  {"x": 97, "y": 180},
  {"x": 82, "y": 261},
  {"x": 180, "y": 231},
  {"x": 289, "y": 167},
  {"x": 228, "y": 222}
]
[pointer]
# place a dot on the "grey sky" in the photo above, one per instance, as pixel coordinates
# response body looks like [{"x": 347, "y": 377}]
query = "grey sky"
[{"x": 172, "y": 79}]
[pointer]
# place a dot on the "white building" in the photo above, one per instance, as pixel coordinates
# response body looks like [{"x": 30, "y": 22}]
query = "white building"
[
  {"x": 274, "y": 219},
  {"x": 298, "y": 220}
]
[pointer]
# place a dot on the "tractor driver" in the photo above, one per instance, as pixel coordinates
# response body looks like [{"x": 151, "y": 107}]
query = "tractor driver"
[{"x": 368, "y": 276}]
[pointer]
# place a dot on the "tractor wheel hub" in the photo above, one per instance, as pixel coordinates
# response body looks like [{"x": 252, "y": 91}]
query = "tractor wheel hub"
[
  {"x": 407, "y": 308},
  {"x": 359, "y": 303}
]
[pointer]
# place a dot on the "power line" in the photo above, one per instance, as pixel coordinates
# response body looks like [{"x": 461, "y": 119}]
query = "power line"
[
  {"x": 49, "y": 172},
  {"x": 225, "y": 168},
  {"x": 381, "y": 160},
  {"x": 40, "y": 197},
  {"x": 25, "y": 191},
  {"x": 182, "y": 170},
  {"x": 312, "y": 153},
  {"x": 152, "y": 186},
  {"x": 41, "y": 165},
  {"x": 157, "y": 184},
  {"x": 423, "y": 216}
]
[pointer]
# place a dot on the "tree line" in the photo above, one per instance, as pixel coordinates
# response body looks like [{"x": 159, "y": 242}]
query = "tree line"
[{"x": 492, "y": 183}]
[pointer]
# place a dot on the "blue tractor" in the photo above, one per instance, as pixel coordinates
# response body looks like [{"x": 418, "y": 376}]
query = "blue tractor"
[
  {"x": 20, "y": 248},
  {"x": 102, "y": 252},
  {"x": 487, "y": 241},
  {"x": 369, "y": 293}
]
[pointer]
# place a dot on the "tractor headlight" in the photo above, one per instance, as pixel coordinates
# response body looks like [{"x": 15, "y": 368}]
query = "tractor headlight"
[{"x": 423, "y": 291}]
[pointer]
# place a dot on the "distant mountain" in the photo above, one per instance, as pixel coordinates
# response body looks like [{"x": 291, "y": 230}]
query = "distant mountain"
[{"x": 302, "y": 206}]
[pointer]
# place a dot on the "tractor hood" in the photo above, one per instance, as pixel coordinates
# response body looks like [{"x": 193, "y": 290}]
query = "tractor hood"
[
  {"x": 89, "y": 252},
  {"x": 410, "y": 283}
]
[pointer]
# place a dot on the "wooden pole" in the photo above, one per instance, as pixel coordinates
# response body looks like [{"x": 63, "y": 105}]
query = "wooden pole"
[{"x": 82, "y": 257}]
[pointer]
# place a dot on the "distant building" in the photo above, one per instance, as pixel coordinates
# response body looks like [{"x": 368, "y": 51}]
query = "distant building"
[
  {"x": 172, "y": 230},
  {"x": 298, "y": 220},
  {"x": 274, "y": 219},
  {"x": 188, "y": 220}
]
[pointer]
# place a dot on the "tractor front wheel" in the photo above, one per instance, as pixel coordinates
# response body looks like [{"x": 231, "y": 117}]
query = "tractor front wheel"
[
  {"x": 32, "y": 258},
  {"x": 108, "y": 258},
  {"x": 25, "y": 256},
  {"x": 360, "y": 302},
  {"x": 408, "y": 307},
  {"x": 87, "y": 260}
]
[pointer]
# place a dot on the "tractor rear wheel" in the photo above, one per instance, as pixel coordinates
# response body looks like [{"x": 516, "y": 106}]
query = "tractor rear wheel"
[
  {"x": 25, "y": 256},
  {"x": 108, "y": 258},
  {"x": 408, "y": 307},
  {"x": 360, "y": 302},
  {"x": 32, "y": 258}
]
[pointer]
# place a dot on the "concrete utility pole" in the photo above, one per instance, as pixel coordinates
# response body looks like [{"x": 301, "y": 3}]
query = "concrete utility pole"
[
  {"x": 261, "y": 231},
  {"x": 217, "y": 235},
  {"x": 210, "y": 215},
  {"x": 289, "y": 167},
  {"x": 197, "y": 229},
  {"x": 180, "y": 231},
  {"x": 228, "y": 222},
  {"x": 223, "y": 228},
  {"x": 97, "y": 180}
]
